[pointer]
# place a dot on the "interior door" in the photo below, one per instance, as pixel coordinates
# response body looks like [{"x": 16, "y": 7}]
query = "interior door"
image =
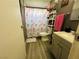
[{"x": 12, "y": 44}]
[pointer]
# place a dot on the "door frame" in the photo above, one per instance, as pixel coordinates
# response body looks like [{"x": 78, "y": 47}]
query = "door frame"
[{"x": 23, "y": 26}]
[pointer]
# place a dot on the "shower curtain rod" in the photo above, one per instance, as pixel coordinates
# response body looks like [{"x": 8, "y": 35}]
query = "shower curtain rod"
[{"x": 35, "y": 7}]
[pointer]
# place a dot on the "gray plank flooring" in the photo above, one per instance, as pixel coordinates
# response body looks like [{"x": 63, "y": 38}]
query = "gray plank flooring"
[{"x": 38, "y": 50}]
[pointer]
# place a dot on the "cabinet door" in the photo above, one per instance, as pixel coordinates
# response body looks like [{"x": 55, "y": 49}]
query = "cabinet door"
[
  {"x": 56, "y": 50},
  {"x": 60, "y": 50},
  {"x": 65, "y": 52}
]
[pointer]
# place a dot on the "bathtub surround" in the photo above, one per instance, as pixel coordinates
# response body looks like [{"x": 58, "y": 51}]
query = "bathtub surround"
[{"x": 36, "y": 21}]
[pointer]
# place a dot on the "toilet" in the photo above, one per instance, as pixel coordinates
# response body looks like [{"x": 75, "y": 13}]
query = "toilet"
[{"x": 44, "y": 36}]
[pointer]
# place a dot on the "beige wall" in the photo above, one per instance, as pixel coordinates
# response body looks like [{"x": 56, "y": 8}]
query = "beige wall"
[
  {"x": 76, "y": 4},
  {"x": 36, "y": 3},
  {"x": 67, "y": 8},
  {"x": 78, "y": 29},
  {"x": 74, "y": 53},
  {"x": 11, "y": 37}
]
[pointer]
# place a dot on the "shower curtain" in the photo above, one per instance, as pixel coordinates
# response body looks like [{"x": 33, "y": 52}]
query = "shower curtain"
[{"x": 36, "y": 21}]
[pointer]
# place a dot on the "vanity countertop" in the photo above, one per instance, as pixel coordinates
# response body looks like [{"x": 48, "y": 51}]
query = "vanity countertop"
[{"x": 67, "y": 36}]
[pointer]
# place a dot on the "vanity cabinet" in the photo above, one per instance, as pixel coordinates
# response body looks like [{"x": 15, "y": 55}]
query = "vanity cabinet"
[{"x": 60, "y": 47}]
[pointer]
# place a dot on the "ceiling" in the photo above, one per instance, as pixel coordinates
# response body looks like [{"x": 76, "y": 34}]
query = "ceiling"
[{"x": 36, "y": 3}]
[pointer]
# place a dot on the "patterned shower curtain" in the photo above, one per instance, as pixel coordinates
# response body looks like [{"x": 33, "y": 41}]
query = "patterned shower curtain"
[{"x": 36, "y": 21}]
